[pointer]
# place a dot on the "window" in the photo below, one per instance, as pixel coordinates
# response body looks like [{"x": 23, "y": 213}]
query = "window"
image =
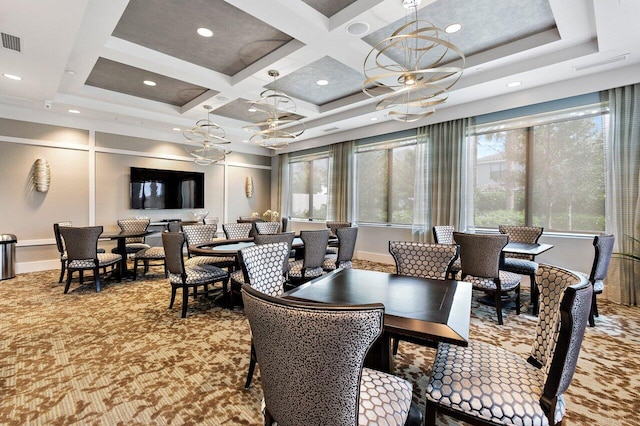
[
  {"x": 385, "y": 179},
  {"x": 544, "y": 170},
  {"x": 309, "y": 178}
]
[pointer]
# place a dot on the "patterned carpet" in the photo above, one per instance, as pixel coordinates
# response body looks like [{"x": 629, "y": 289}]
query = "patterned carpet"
[{"x": 122, "y": 357}]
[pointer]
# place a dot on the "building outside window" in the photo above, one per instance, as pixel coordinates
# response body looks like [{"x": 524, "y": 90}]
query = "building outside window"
[
  {"x": 309, "y": 186},
  {"x": 543, "y": 170}
]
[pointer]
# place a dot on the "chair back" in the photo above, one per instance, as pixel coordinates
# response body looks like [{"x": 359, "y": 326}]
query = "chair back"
[
  {"x": 81, "y": 242},
  {"x": 423, "y": 260},
  {"x": 263, "y": 267},
  {"x": 134, "y": 225},
  {"x": 564, "y": 347},
  {"x": 315, "y": 247},
  {"x": 521, "y": 234},
  {"x": 267, "y": 227},
  {"x": 173, "y": 243},
  {"x": 174, "y": 226},
  {"x": 199, "y": 234},
  {"x": 333, "y": 225},
  {"x": 346, "y": 244},
  {"x": 285, "y": 237},
  {"x": 603, "y": 245},
  {"x": 56, "y": 233},
  {"x": 212, "y": 221},
  {"x": 311, "y": 356},
  {"x": 285, "y": 224},
  {"x": 443, "y": 234},
  {"x": 237, "y": 231},
  {"x": 480, "y": 253}
]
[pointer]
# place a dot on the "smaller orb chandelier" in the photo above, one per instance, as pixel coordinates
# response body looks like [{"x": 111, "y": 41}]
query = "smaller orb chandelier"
[
  {"x": 405, "y": 71},
  {"x": 278, "y": 124},
  {"x": 203, "y": 140}
]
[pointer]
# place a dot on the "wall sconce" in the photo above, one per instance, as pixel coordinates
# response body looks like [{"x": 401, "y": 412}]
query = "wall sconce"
[
  {"x": 41, "y": 175},
  {"x": 248, "y": 186}
]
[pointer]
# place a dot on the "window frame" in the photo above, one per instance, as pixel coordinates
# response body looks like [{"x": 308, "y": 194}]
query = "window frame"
[{"x": 309, "y": 159}]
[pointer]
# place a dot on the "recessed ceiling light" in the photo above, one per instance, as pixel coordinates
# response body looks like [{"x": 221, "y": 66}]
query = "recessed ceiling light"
[
  {"x": 222, "y": 98},
  {"x": 514, "y": 84},
  {"x": 205, "y": 32},
  {"x": 74, "y": 111},
  {"x": 453, "y": 28},
  {"x": 12, "y": 77},
  {"x": 322, "y": 82},
  {"x": 252, "y": 110},
  {"x": 177, "y": 129},
  {"x": 374, "y": 119},
  {"x": 358, "y": 28},
  {"x": 149, "y": 83},
  {"x": 70, "y": 72},
  {"x": 245, "y": 141}
]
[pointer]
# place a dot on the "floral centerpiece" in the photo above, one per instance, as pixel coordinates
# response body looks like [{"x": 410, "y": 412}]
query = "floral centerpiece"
[{"x": 268, "y": 216}]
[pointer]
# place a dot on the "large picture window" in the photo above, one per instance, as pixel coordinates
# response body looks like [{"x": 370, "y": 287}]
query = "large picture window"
[
  {"x": 309, "y": 187},
  {"x": 545, "y": 170},
  {"x": 385, "y": 180}
]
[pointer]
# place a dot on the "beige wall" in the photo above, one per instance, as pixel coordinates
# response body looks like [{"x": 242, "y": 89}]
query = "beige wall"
[{"x": 90, "y": 184}]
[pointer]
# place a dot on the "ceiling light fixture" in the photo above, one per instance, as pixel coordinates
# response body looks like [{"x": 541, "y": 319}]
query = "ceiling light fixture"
[
  {"x": 514, "y": 84},
  {"x": 405, "y": 71},
  {"x": 209, "y": 136},
  {"x": 149, "y": 83},
  {"x": 12, "y": 77},
  {"x": 74, "y": 111},
  {"x": 322, "y": 82},
  {"x": 205, "y": 32},
  {"x": 278, "y": 124},
  {"x": 453, "y": 28}
]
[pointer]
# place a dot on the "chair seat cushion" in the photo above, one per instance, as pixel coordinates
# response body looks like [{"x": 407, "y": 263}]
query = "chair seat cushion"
[
  {"x": 508, "y": 281},
  {"x": 520, "y": 266},
  {"x": 151, "y": 253},
  {"x": 295, "y": 270},
  {"x": 384, "y": 399},
  {"x": 200, "y": 274},
  {"x": 494, "y": 384},
  {"x": 209, "y": 260},
  {"x": 104, "y": 259},
  {"x": 329, "y": 263},
  {"x": 132, "y": 248}
]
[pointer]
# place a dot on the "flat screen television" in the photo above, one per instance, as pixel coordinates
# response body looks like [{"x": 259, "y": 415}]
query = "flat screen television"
[{"x": 166, "y": 189}]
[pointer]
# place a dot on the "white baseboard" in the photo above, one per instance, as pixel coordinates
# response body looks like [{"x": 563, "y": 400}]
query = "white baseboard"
[
  {"x": 41, "y": 265},
  {"x": 375, "y": 257}
]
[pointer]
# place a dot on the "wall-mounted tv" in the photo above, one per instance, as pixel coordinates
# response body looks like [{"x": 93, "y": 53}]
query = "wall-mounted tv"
[{"x": 166, "y": 189}]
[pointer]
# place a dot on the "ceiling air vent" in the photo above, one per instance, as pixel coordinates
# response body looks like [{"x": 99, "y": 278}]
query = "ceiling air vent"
[
  {"x": 604, "y": 62},
  {"x": 330, "y": 129},
  {"x": 10, "y": 42}
]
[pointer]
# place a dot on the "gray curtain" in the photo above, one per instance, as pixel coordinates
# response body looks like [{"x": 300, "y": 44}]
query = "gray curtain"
[
  {"x": 341, "y": 194},
  {"x": 622, "y": 208},
  {"x": 283, "y": 185},
  {"x": 441, "y": 178}
]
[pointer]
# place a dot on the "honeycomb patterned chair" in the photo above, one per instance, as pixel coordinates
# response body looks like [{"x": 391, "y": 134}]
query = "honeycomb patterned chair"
[
  {"x": 311, "y": 361},
  {"x": 133, "y": 244},
  {"x": 484, "y": 384},
  {"x": 346, "y": 246},
  {"x": 237, "y": 231},
  {"x": 523, "y": 264},
  {"x": 603, "y": 245},
  {"x": 443, "y": 234},
  {"x": 202, "y": 234},
  {"x": 263, "y": 269},
  {"x": 186, "y": 277},
  {"x": 423, "y": 260},
  {"x": 480, "y": 255},
  {"x": 315, "y": 249},
  {"x": 146, "y": 256},
  {"x": 62, "y": 248},
  {"x": 267, "y": 227}
]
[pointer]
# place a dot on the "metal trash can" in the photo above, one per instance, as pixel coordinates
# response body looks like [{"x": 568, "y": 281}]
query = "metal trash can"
[{"x": 7, "y": 256}]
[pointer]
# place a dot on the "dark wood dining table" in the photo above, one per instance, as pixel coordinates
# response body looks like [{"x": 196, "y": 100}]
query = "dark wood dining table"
[
  {"x": 121, "y": 248},
  {"x": 418, "y": 308}
]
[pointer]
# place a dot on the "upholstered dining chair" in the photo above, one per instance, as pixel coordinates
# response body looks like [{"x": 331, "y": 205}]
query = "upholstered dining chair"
[
  {"x": 310, "y": 267},
  {"x": 484, "y": 384},
  {"x": 346, "y": 247},
  {"x": 62, "y": 248},
  {"x": 603, "y": 245},
  {"x": 133, "y": 244},
  {"x": 443, "y": 234},
  {"x": 336, "y": 224},
  {"x": 202, "y": 234},
  {"x": 146, "y": 256},
  {"x": 311, "y": 363},
  {"x": 416, "y": 259},
  {"x": 237, "y": 231},
  {"x": 267, "y": 227},
  {"x": 523, "y": 264},
  {"x": 186, "y": 277},
  {"x": 81, "y": 245},
  {"x": 480, "y": 255},
  {"x": 263, "y": 269}
]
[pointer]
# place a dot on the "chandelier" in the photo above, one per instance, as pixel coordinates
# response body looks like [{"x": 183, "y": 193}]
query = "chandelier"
[
  {"x": 406, "y": 72},
  {"x": 203, "y": 140},
  {"x": 278, "y": 124}
]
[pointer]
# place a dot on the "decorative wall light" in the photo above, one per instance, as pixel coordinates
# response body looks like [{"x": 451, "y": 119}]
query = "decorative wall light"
[
  {"x": 406, "y": 72},
  {"x": 248, "y": 186},
  {"x": 41, "y": 175},
  {"x": 209, "y": 136},
  {"x": 278, "y": 124}
]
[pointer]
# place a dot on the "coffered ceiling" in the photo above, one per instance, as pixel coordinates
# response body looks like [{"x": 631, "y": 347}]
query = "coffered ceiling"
[{"x": 94, "y": 55}]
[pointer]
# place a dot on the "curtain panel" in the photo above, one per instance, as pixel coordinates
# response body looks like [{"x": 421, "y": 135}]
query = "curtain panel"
[
  {"x": 341, "y": 181},
  {"x": 284, "y": 185},
  {"x": 622, "y": 180}
]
